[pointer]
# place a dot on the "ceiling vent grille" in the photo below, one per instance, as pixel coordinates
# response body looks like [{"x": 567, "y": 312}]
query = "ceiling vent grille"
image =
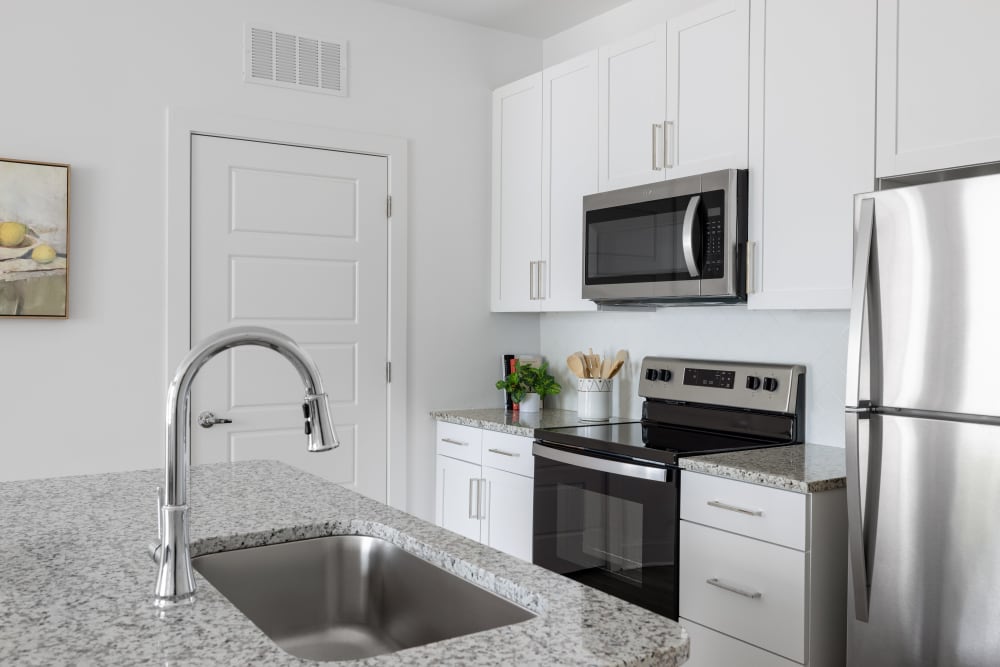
[{"x": 293, "y": 61}]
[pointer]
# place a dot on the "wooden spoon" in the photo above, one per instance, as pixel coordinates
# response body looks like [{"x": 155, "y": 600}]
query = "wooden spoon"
[
  {"x": 615, "y": 367},
  {"x": 621, "y": 356},
  {"x": 575, "y": 364},
  {"x": 606, "y": 366}
]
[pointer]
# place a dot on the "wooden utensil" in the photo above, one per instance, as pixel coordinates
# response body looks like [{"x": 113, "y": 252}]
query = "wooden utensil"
[
  {"x": 593, "y": 363},
  {"x": 621, "y": 356},
  {"x": 583, "y": 362},
  {"x": 615, "y": 367},
  {"x": 575, "y": 364},
  {"x": 606, "y": 366}
]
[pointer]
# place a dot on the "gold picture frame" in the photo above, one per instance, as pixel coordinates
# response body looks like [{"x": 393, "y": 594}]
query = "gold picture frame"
[{"x": 34, "y": 239}]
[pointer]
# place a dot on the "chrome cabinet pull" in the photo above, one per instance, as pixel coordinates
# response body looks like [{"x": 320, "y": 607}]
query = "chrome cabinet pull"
[
  {"x": 668, "y": 128},
  {"x": 751, "y": 282},
  {"x": 734, "y": 508},
  {"x": 753, "y": 595},
  {"x": 531, "y": 281},
  {"x": 455, "y": 442},
  {"x": 472, "y": 482},
  {"x": 480, "y": 510},
  {"x": 653, "y": 147},
  {"x": 502, "y": 452},
  {"x": 540, "y": 282}
]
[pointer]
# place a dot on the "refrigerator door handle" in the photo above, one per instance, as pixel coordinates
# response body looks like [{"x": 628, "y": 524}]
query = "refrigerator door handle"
[
  {"x": 862, "y": 259},
  {"x": 858, "y": 410}
]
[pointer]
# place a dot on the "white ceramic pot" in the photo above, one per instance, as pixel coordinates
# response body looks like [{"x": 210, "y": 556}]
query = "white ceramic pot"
[
  {"x": 593, "y": 399},
  {"x": 531, "y": 403}
]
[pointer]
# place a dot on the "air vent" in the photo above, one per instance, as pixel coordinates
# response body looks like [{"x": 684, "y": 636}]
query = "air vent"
[{"x": 292, "y": 61}]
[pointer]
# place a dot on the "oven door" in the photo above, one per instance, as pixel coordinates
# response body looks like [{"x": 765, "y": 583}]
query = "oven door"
[{"x": 609, "y": 524}]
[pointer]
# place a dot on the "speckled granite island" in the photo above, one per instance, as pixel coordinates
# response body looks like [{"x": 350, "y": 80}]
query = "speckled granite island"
[
  {"x": 76, "y": 581},
  {"x": 802, "y": 468}
]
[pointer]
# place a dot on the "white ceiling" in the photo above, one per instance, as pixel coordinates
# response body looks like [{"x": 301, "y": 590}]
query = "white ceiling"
[{"x": 534, "y": 18}]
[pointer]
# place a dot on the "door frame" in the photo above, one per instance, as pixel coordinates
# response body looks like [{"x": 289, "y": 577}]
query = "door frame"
[{"x": 182, "y": 124}]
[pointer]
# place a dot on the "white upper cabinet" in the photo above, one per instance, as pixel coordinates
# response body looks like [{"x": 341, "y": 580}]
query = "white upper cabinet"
[
  {"x": 673, "y": 99},
  {"x": 633, "y": 107},
  {"x": 517, "y": 196},
  {"x": 938, "y": 90},
  {"x": 569, "y": 171},
  {"x": 707, "y": 79},
  {"x": 811, "y": 147}
]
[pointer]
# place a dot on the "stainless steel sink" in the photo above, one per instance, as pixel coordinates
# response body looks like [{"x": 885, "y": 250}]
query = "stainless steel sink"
[{"x": 349, "y": 596}]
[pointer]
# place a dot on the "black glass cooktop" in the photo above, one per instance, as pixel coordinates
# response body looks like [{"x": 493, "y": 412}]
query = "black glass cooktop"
[{"x": 651, "y": 442}]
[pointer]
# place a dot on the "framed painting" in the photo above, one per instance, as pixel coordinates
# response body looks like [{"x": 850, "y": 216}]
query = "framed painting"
[{"x": 34, "y": 239}]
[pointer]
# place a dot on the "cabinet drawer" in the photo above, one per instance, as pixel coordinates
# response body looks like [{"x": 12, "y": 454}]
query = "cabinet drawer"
[
  {"x": 512, "y": 453},
  {"x": 714, "y": 649},
  {"x": 748, "y": 589},
  {"x": 460, "y": 442},
  {"x": 760, "y": 512}
]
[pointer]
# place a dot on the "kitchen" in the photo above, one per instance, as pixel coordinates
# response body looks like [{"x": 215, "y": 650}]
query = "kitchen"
[{"x": 95, "y": 97}]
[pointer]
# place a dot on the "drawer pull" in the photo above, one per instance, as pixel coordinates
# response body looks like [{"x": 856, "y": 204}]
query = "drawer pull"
[
  {"x": 455, "y": 442},
  {"x": 500, "y": 451},
  {"x": 734, "y": 508},
  {"x": 753, "y": 595}
]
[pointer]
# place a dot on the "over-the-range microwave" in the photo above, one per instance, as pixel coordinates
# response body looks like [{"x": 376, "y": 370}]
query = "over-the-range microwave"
[{"x": 678, "y": 241}]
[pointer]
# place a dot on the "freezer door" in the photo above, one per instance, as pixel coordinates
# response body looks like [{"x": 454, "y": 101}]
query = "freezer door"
[
  {"x": 932, "y": 291},
  {"x": 933, "y": 545}
]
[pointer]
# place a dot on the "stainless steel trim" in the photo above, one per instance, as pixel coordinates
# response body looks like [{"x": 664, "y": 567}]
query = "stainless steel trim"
[
  {"x": 656, "y": 163},
  {"x": 455, "y": 442},
  {"x": 668, "y": 127},
  {"x": 855, "y": 517},
  {"x": 472, "y": 481},
  {"x": 862, "y": 257},
  {"x": 688, "y": 233},
  {"x": 733, "y": 508},
  {"x": 751, "y": 282},
  {"x": 502, "y": 452},
  {"x": 753, "y": 595},
  {"x": 601, "y": 465}
]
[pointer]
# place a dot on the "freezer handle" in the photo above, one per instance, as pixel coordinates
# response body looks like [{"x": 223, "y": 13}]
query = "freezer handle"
[
  {"x": 862, "y": 258},
  {"x": 855, "y": 517}
]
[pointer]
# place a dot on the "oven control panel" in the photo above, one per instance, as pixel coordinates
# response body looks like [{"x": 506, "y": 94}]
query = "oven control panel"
[{"x": 770, "y": 387}]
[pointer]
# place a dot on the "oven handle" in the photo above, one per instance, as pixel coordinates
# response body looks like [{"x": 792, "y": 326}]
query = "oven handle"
[
  {"x": 688, "y": 235},
  {"x": 602, "y": 465}
]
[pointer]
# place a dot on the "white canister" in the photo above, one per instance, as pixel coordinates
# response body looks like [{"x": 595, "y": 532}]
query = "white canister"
[{"x": 593, "y": 399}]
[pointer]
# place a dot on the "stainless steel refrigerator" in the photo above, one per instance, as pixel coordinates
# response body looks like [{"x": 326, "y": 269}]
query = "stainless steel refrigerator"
[{"x": 923, "y": 427}]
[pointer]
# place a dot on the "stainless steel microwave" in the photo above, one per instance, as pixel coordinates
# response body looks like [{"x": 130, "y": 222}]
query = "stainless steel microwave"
[{"x": 678, "y": 241}]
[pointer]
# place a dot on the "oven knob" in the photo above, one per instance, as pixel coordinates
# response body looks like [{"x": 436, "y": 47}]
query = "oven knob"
[
  {"x": 651, "y": 374},
  {"x": 664, "y": 375},
  {"x": 770, "y": 384},
  {"x": 753, "y": 382}
]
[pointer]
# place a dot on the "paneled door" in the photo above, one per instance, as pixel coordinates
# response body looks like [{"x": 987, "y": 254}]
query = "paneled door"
[{"x": 295, "y": 239}]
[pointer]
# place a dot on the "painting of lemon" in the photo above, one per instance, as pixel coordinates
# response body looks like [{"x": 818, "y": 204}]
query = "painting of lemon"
[
  {"x": 12, "y": 234},
  {"x": 43, "y": 254}
]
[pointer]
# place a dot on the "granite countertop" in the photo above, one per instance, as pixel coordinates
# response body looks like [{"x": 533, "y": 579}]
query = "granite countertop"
[
  {"x": 518, "y": 423},
  {"x": 803, "y": 468},
  {"x": 76, "y": 581}
]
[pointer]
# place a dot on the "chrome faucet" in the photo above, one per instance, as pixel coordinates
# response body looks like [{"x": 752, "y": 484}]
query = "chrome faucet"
[{"x": 175, "y": 581}]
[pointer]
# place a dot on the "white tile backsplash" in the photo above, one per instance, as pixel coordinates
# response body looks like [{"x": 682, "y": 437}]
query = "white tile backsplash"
[{"x": 816, "y": 339}]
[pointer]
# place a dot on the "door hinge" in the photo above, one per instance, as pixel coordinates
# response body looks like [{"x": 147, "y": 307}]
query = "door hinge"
[
  {"x": 388, "y": 372},
  {"x": 388, "y": 206}
]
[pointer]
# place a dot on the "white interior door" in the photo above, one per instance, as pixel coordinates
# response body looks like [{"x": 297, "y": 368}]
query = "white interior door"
[{"x": 295, "y": 239}]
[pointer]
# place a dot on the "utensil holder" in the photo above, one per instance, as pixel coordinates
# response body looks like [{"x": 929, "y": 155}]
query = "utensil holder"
[{"x": 593, "y": 399}]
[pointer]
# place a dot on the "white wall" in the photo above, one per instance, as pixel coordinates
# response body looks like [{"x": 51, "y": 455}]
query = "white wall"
[
  {"x": 88, "y": 83},
  {"x": 816, "y": 339}
]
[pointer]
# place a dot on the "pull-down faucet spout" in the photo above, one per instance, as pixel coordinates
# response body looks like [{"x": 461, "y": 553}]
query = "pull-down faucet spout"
[{"x": 175, "y": 581}]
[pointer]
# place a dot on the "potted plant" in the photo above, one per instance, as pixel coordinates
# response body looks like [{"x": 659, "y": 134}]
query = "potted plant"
[{"x": 528, "y": 385}]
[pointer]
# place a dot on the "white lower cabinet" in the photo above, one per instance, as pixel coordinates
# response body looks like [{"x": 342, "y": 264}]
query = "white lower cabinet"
[
  {"x": 485, "y": 484},
  {"x": 762, "y": 574}
]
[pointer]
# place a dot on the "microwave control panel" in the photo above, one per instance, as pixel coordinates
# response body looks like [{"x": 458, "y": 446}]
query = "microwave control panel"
[{"x": 713, "y": 235}]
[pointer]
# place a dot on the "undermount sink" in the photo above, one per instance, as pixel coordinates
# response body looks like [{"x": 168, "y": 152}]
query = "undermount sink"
[{"x": 351, "y": 596}]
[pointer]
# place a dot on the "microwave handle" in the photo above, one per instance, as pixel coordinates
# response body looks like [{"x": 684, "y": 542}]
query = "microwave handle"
[{"x": 688, "y": 235}]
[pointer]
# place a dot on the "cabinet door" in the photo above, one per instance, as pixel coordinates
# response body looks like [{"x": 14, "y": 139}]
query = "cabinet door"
[
  {"x": 507, "y": 524},
  {"x": 517, "y": 195},
  {"x": 938, "y": 97},
  {"x": 707, "y": 74},
  {"x": 457, "y": 496},
  {"x": 569, "y": 171},
  {"x": 812, "y": 138},
  {"x": 633, "y": 99}
]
